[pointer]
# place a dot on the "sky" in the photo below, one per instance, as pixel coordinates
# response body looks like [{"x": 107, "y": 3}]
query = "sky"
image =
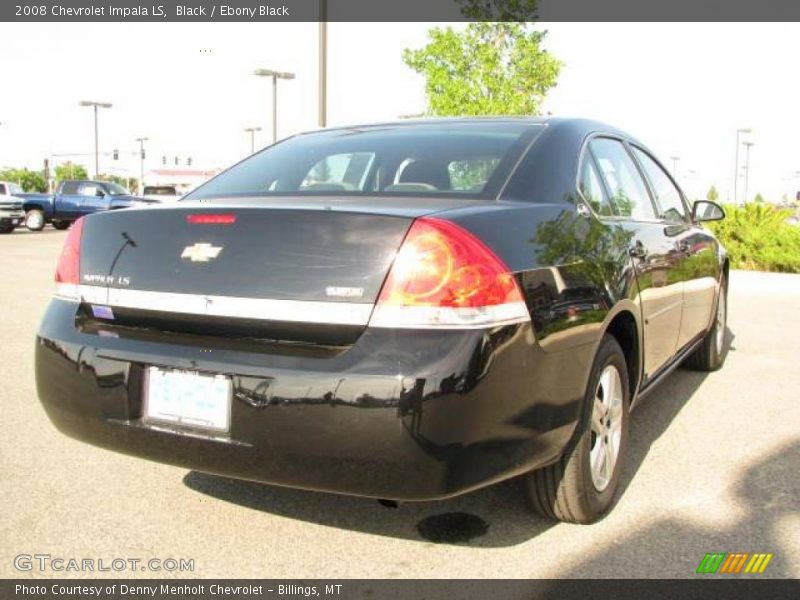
[{"x": 683, "y": 89}]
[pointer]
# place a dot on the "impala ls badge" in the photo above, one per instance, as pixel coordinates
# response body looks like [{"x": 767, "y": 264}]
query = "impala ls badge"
[{"x": 201, "y": 252}]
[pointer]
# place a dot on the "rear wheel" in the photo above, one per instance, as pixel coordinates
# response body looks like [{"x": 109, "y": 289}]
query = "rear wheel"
[
  {"x": 34, "y": 219},
  {"x": 6, "y": 229},
  {"x": 580, "y": 487},
  {"x": 711, "y": 353},
  {"x": 61, "y": 225}
]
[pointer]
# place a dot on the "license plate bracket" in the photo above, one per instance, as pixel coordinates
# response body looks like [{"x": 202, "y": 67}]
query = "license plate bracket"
[{"x": 188, "y": 399}]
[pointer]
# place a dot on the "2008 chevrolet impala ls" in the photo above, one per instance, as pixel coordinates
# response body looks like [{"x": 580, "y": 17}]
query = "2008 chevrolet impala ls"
[{"x": 403, "y": 311}]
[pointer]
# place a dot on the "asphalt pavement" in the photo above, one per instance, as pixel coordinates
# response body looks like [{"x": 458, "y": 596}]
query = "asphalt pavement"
[{"x": 713, "y": 466}]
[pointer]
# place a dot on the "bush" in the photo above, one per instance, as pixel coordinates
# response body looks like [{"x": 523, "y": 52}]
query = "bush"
[{"x": 758, "y": 238}]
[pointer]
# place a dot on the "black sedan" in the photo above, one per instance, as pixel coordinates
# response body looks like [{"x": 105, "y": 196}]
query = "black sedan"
[{"x": 406, "y": 311}]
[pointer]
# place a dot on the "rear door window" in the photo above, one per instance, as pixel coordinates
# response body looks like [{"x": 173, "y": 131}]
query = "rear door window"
[
  {"x": 69, "y": 188},
  {"x": 668, "y": 198},
  {"x": 628, "y": 190},
  {"x": 592, "y": 189}
]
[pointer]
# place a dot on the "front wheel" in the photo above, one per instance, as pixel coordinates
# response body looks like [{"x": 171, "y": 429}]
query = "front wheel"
[
  {"x": 580, "y": 487},
  {"x": 34, "y": 219}
]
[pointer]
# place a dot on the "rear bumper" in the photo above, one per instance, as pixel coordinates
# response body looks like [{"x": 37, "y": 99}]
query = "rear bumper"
[{"x": 407, "y": 415}]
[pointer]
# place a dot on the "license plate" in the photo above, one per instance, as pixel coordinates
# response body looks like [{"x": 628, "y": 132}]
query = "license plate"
[{"x": 188, "y": 399}]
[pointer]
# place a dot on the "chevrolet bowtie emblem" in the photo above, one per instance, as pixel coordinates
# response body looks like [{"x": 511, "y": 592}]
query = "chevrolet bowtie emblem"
[{"x": 201, "y": 252}]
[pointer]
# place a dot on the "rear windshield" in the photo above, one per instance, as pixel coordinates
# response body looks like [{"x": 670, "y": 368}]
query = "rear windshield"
[{"x": 454, "y": 159}]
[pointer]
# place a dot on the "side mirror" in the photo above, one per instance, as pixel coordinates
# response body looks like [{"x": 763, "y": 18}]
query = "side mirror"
[{"x": 705, "y": 210}]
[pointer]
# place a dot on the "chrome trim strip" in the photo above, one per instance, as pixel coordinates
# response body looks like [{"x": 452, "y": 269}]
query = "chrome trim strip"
[
  {"x": 297, "y": 311},
  {"x": 300, "y": 311}
]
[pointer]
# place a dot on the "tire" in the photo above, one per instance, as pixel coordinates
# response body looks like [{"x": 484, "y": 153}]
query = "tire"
[
  {"x": 571, "y": 490},
  {"x": 711, "y": 354},
  {"x": 61, "y": 225},
  {"x": 34, "y": 219},
  {"x": 6, "y": 229}
]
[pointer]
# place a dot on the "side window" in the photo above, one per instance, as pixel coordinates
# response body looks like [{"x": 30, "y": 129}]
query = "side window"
[
  {"x": 668, "y": 198},
  {"x": 90, "y": 189},
  {"x": 628, "y": 191},
  {"x": 592, "y": 189},
  {"x": 3, "y": 191},
  {"x": 69, "y": 187},
  {"x": 471, "y": 174}
]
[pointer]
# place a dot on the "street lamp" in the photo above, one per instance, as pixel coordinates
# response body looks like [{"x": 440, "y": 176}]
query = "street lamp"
[
  {"x": 275, "y": 76},
  {"x": 736, "y": 167},
  {"x": 141, "y": 141},
  {"x": 252, "y": 132},
  {"x": 96, "y": 105},
  {"x": 323, "y": 63},
  {"x": 747, "y": 145}
]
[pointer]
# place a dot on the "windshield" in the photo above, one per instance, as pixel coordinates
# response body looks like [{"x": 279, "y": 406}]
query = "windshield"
[
  {"x": 463, "y": 159},
  {"x": 116, "y": 190}
]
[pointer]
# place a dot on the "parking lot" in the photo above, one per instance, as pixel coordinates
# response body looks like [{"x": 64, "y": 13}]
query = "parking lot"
[{"x": 713, "y": 466}]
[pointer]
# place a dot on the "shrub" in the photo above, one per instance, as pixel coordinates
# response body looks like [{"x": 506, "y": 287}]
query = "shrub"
[{"x": 758, "y": 238}]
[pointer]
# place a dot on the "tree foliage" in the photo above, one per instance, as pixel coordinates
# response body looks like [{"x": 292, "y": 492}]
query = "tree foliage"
[
  {"x": 712, "y": 194},
  {"x": 30, "y": 181},
  {"x": 70, "y": 170},
  {"x": 486, "y": 69}
]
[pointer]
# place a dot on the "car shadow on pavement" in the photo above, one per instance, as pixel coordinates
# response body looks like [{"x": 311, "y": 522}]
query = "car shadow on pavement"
[
  {"x": 765, "y": 495},
  {"x": 496, "y": 516}
]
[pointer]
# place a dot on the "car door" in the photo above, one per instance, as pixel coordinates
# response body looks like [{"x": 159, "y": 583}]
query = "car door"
[
  {"x": 696, "y": 249},
  {"x": 653, "y": 254},
  {"x": 93, "y": 197},
  {"x": 69, "y": 200}
]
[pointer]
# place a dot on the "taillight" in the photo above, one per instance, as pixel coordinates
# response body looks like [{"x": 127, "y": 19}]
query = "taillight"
[
  {"x": 443, "y": 276},
  {"x": 69, "y": 263}
]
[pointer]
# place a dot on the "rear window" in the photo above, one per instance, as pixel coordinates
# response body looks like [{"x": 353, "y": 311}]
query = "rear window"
[
  {"x": 161, "y": 190},
  {"x": 454, "y": 159}
]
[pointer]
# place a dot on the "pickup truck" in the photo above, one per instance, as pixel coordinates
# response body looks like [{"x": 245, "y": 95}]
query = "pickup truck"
[
  {"x": 74, "y": 199},
  {"x": 11, "y": 213}
]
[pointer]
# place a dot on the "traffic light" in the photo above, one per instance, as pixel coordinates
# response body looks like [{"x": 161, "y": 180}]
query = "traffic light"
[
  {"x": 144, "y": 154},
  {"x": 163, "y": 160},
  {"x": 116, "y": 154},
  {"x": 189, "y": 162}
]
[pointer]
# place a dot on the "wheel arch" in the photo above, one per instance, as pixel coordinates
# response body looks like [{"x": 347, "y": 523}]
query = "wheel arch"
[{"x": 624, "y": 327}]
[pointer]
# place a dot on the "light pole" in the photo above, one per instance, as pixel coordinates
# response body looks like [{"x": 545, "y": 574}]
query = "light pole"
[
  {"x": 252, "y": 132},
  {"x": 141, "y": 141},
  {"x": 96, "y": 105},
  {"x": 747, "y": 145},
  {"x": 323, "y": 63},
  {"x": 275, "y": 76},
  {"x": 675, "y": 160},
  {"x": 736, "y": 167}
]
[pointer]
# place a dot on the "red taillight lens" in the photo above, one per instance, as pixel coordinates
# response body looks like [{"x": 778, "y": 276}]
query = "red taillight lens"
[
  {"x": 441, "y": 264},
  {"x": 69, "y": 263},
  {"x": 209, "y": 219},
  {"x": 445, "y": 277}
]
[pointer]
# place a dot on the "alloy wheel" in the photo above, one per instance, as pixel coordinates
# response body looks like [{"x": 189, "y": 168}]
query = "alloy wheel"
[{"x": 606, "y": 429}]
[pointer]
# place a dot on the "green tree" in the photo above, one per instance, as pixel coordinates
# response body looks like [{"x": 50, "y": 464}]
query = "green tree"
[
  {"x": 759, "y": 199},
  {"x": 70, "y": 170},
  {"x": 486, "y": 69},
  {"x": 712, "y": 194},
  {"x": 30, "y": 181}
]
